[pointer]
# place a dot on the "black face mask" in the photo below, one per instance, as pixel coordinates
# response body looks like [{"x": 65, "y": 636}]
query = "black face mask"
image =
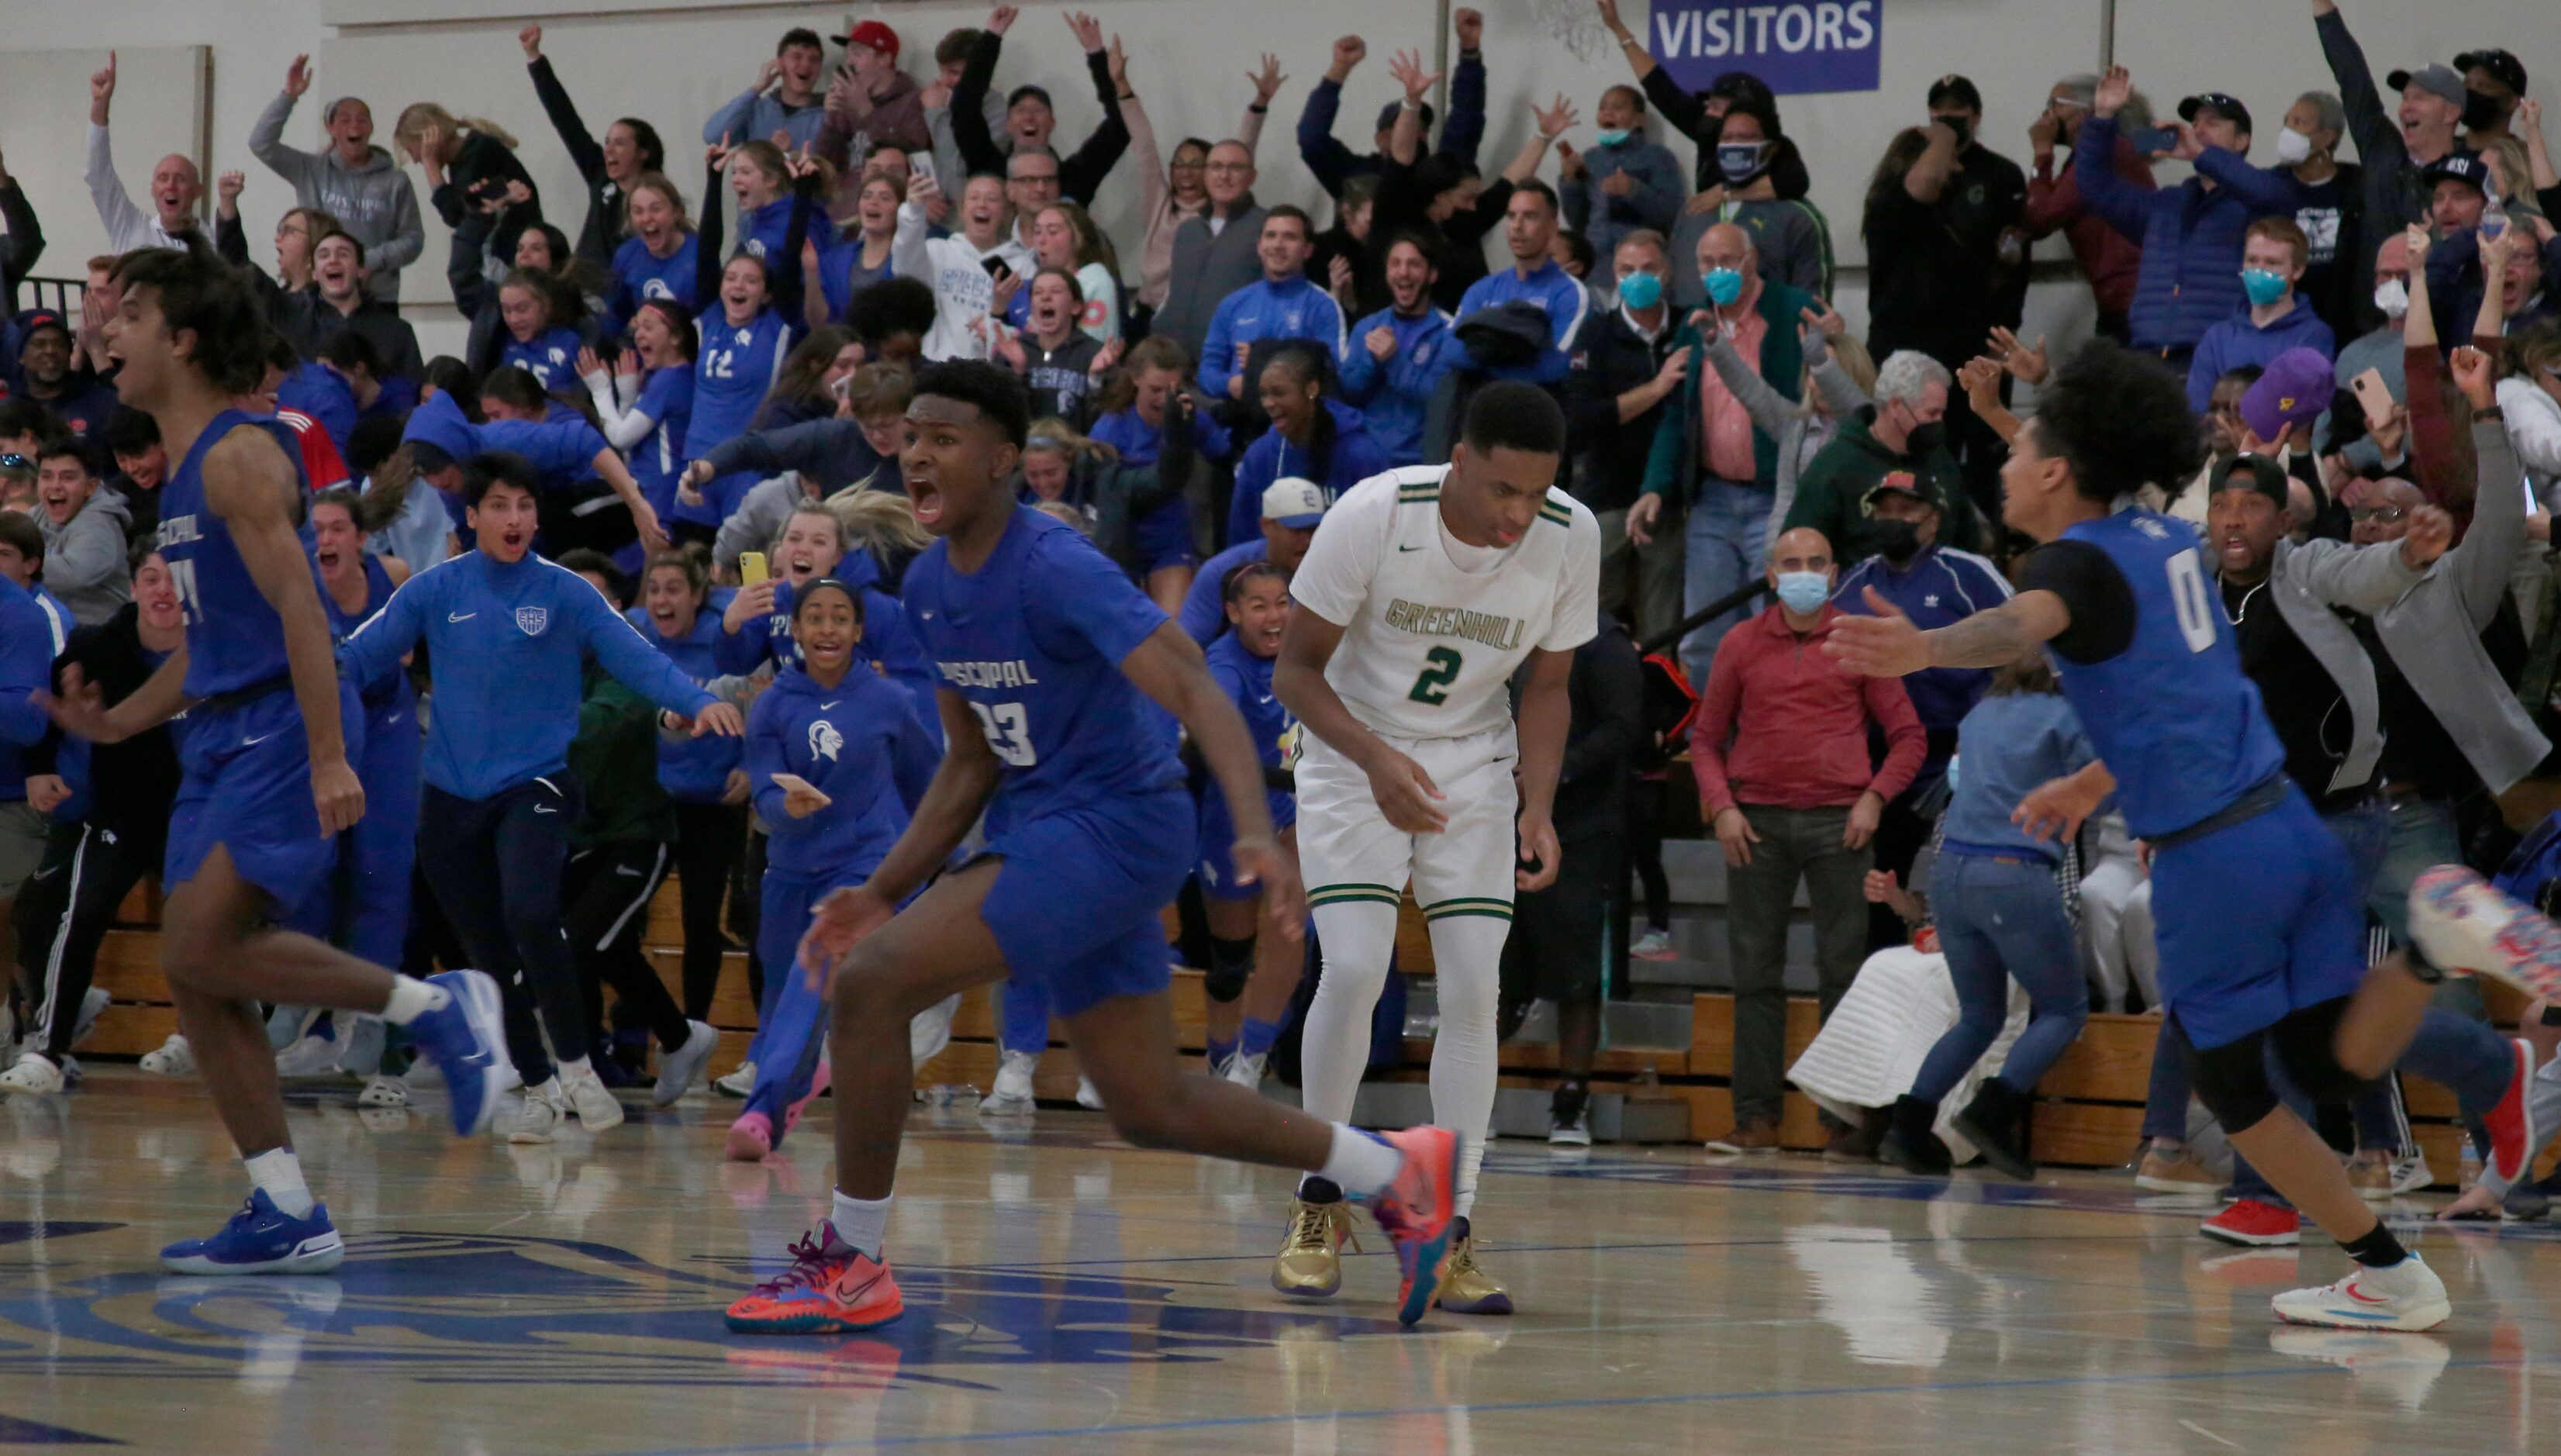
[
  {"x": 1925, "y": 439},
  {"x": 2482, "y": 110},
  {"x": 1897, "y": 541}
]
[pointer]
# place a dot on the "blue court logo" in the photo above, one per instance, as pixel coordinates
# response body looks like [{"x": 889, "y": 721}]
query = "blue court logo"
[
  {"x": 478, "y": 1308},
  {"x": 532, "y": 619}
]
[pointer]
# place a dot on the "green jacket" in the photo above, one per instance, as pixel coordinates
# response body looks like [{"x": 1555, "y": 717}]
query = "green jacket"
[
  {"x": 1831, "y": 493},
  {"x": 614, "y": 759},
  {"x": 1672, "y": 469}
]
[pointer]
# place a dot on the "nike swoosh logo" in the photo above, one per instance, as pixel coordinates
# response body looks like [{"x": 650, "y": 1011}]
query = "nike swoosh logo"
[
  {"x": 544, "y": 809},
  {"x": 395, "y": 718},
  {"x": 823, "y": 707},
  {"x": 1408, "y": 548},
  {"x": 2361, "y": 1297},
  {"x": 1266, "y": 698},
  {"x": 460, "y": 617},
  {"x": 260, "y": 739}
]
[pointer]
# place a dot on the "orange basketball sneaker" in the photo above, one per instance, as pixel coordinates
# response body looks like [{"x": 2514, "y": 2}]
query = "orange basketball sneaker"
[
  {"x": 1415, "y": 1212},
  {"x": 831, "y": 1288}
]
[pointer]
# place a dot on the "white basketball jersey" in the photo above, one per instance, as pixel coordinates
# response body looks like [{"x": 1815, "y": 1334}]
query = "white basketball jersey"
[{"x": 1433, "y": 628}]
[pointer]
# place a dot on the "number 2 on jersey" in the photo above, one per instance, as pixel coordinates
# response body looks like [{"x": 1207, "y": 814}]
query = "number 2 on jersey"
[
  {"x": 1440, "y": 669},
  {"x": 1009, "y": 732},
  {"x": 2188, "y": 599}
]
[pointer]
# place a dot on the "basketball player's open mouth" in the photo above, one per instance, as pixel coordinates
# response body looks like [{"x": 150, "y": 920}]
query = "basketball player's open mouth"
[{"x": 927, "y": 501}]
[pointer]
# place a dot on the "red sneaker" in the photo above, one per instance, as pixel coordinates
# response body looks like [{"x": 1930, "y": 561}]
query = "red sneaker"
[
  {"x": 2514, "y": 1137},
  {"x": 830, "y": 1289},
  {"x": 1415, "y": 1212},
  {"x": 2254, "y": 1224}
]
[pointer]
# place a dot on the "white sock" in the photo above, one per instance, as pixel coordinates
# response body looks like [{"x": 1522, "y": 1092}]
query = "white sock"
[
  {"x": 861, "y": 1223},
  {"x": 569, "y": 1070},
  {"x": 412, "y": 998},
  {"x": 1361, "y": 1163},
  {"x": 279, "y": 1173},
  {"x": 1467, "y": 957}
]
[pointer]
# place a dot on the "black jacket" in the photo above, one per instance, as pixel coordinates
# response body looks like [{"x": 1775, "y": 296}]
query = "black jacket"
[
  {"x": 132, "y": 784},
  {"x": 1079, "y": 175},
  {"x": 1610, "y": 457},
  {"x": 606, "y": 225},
  {"x": 24, "y": 244},
  {"x": 1608, "y": 691}
]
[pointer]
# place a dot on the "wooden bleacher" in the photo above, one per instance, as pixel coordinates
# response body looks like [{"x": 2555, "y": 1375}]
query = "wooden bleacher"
[{"x": 2089, "y": 1113}]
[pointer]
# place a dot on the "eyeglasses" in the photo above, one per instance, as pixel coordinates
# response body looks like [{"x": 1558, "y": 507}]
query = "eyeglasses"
[
  {"x": 2383, "y": 515},
  {"x": 1231, "y": 167},
  {"x": 1187, "y": 167}
]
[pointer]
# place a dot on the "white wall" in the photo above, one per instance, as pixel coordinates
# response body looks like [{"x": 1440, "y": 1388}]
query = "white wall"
[{"x": 671, "y": 61}]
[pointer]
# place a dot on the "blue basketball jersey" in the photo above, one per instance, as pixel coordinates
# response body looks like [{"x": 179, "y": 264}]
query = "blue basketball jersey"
[
  {"x": 731, "y": 376},
  {"x": 389, "y": 688},
  {"x": 1248, "y": 682},
  {"x": 234, "y": 639},
  {"x": 2171, "y": 716},
  {"x": 1034, "y": 639}
]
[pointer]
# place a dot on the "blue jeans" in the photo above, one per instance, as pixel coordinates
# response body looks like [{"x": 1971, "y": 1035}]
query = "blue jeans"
[
  {"x": 1999, "y": 919},
  {"x": 1727, "y": 541}
]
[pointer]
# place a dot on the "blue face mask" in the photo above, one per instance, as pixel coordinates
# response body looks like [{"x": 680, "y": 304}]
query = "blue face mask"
[
  {"x": 1804, "y": 592},
  {"x": 1613, "y": 136},
  {"x": 1640, "y": 290},
  {"x": 1724, "y": 286},
  {"x": 2264, "y": 288}
]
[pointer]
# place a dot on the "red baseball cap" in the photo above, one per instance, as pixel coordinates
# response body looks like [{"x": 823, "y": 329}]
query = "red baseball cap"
[{"x": 874, "y": 33}]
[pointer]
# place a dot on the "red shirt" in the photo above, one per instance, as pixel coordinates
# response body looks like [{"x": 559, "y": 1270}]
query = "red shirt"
[
  {"x": 1782, "y": 723},
  {"x": 321, "y": 462},
  {"x": 2107, "y": 256}
]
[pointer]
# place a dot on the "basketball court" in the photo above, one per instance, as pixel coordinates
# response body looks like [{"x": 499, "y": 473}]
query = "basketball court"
[{"x": 1066, "y": 1292}]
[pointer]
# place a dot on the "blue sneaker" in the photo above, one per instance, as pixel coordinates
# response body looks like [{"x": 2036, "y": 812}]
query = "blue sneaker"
[
  {"x": 262, "y": 1238},
  {"x": 467, "y": 1041}
]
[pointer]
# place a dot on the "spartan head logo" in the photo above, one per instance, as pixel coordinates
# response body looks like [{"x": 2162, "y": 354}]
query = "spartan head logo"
[{"x": 824, "y": 740}]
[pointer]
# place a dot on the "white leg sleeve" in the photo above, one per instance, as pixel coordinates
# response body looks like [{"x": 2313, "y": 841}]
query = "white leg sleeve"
[
  {"x": 1357, "y": 938},
  {"x": 2142, "y": 953},
  {"x": 1468, "y": 955}
]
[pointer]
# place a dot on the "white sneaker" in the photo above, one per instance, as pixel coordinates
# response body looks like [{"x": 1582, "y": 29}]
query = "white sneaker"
[
  {"x": 2407, "y": 1296},
  {"x": 1652, "y": 945},
  {"x": 2410, "y": 1173},
  {"x": 1246, "y": 1072},
  {"x": 739, "y": 1083},
  {"x": 1573, "y": 1132},
  {"x": 309, "y": 1056},
  {"x": 1012, "y": 1096},
  {"x": 538, "y": 1114},
  {"x": 1088, "y": 1095},
  {"x": 384, "y": 1091},
  {"x": 595, "y": 1103},
  {"x": 34, "y": 1076},
  {"x": 92, "y": 1004},
  {"x": 930, "y": 1032},
  {"x": 2464, "y": 927},
  {"x": 173, "y": 1058},
  {"x": 678, "y": 1069}
]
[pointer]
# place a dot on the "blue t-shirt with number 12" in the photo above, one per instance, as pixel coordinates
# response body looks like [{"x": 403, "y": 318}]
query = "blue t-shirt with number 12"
[{"x": 1034, "y": 640}]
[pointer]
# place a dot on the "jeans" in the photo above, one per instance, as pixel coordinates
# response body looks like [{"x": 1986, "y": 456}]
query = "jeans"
[
  {"x": 1999, "y": 919},
  {"x": 1727, "y": 541},
  {"x": 1650, "y": 572},
  {"x": 1795, "y": 844}
]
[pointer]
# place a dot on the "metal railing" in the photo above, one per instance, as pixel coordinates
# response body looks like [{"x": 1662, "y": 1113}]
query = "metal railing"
[{"x": 62, "y": 295}]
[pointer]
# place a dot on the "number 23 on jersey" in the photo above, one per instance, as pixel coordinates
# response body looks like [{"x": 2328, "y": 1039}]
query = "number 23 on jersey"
[{"x": 1009, "y": 732}]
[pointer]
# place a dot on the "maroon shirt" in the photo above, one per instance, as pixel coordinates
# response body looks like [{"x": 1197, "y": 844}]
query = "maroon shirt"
[
  {"x": 1783, "y": 724},
  {"x": 2110, "y": 258}
]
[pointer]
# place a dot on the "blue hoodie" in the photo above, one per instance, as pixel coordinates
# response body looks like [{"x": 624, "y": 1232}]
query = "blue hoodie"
[
  {"x": 508, "y": 644},
  {"x": 562, "y": 451},
  {"x": 692, "y": 770},
  {"x": 550, "y": 356},
  {"x": 640, "y": 276},
  {"x": 29, "y": 639},
  {"x": 859, "y": 744},
  {"x": 1355, "y": 458},
  {"x": 2237, "y": 341},
  {"x": 1293, "y": 308},
  {"x": 888, "y": 637},
  {"x": 315, "y": 390},
  {"x": 1394, "y": 396}
]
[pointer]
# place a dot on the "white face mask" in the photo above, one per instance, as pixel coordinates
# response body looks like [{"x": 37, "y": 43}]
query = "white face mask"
[
  {"x": 2393, "y": 297},
  {"x": 2292, "y": 147}
]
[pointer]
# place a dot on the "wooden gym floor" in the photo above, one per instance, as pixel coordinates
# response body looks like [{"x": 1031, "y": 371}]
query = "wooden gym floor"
[{"x": 1069, "y": 1294}]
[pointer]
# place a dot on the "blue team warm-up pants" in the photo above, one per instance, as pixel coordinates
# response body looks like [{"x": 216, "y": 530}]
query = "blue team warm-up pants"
[{"x": 496, "y": 865}]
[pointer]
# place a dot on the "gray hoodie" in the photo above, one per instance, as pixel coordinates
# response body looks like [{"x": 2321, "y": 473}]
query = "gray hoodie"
[
  {"x": 84, "y": 558},
  {"x": 374, "y": 201}
]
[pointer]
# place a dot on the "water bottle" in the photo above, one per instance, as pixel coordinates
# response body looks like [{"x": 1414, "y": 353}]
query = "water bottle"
[
  {"x": 2494, "y": 220},
  {"x": 2468, "y": 1173}
]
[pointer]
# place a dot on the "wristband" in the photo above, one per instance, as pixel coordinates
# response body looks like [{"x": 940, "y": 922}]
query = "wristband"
[
  {"x": 1260, "y": 109},
  {"x": 2495, "y": 415}
]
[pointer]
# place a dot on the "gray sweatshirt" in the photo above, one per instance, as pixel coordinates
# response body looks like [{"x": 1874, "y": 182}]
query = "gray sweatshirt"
[
  {"x": 374, "y": 201},
  {"x": 84, "y": 558}
]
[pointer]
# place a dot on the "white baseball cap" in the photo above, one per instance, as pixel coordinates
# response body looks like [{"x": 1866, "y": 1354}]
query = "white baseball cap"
[{"x": 1295, "y": 500}]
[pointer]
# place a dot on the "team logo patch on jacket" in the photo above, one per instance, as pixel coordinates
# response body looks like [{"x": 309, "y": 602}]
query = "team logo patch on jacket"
[
  {"x": 532, "y": 619},
  {"x": 824, "y": 740}
]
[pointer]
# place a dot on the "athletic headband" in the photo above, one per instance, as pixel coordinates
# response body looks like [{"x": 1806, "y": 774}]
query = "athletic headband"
[{"x": 801, "y": 602}]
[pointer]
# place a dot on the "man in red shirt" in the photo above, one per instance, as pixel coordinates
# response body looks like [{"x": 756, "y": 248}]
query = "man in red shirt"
[{"x": 1781, "y": 750}]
